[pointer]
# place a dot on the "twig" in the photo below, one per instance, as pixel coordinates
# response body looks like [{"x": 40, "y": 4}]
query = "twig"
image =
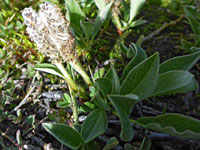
[
  {"x": 53, "y": 95},
  {"x": 56, "y": 86},
  {"x": 115, "y": 122},
  {"x": 10, "y": 139},
  {"x": 110, "y": 61},
  {"x": 91, "y": 74},
  {"x": 31, "y": 89},
  {"x": 19, "y": 67},
  {"x": 41, "y": 121},
  {"x": 31, "y": 147},
  {"x": 163, "y": 137},
  {"x": 162, "y": 28},
  {"x": 40, "y": 142}
]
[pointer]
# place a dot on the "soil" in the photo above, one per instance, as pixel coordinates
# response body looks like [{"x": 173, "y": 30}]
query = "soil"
[{"x": 168, "y": 45}]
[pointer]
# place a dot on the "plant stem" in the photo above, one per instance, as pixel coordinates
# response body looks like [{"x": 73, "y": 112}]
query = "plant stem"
[
  {"x": 78, "y": 67},
  {"x": 116, "y": 20},
  {"x": 72, "y": 88},
  {"x": 75, "y": 106},
  {"x": 67, "y": 77}
]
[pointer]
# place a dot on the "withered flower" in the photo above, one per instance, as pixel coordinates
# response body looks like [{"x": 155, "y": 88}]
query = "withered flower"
[
  {"x": 51, "y": 32},
  {"x": 54, "y": 39}
]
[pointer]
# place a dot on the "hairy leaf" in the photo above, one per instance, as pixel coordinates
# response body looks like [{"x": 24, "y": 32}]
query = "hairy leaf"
[
  {"x": 139, "y": 56},
  {"x": 142, "y": 79},
  {"x": 100, "y": 4},
  {"x": 48, "y": 68},
  {"x": 173, "y": 124},
  {"x": 185, "y": 62},
  {"x": 94, "y": 125},
  {"x": 112, "y": 142},
  {"x": 135, "y": 6},
  {"x": 64, "y": 134},
  {"x": 100, "y": 19},
  {"x": 74, "y": 14},
  {"x": 104, "y": 85},
  {"x": 124, "y": 105},
  {"x": 175, "y": 82},
  {"x": 112, "y": 75}
]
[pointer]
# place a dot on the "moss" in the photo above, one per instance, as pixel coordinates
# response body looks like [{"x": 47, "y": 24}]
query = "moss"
[{"x": 155, "y": 17}]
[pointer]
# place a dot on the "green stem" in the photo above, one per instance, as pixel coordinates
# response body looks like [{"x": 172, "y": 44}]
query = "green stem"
[
  {"x": 78, "y": 67},
  {"x": 75, "y": 106},
  {"x": 72, "y": 88},
  {"x": 116, "y": 20},
  {"x": 67, "y": 77}
]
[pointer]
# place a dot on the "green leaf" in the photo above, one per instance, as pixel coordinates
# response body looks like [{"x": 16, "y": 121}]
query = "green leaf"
[
  {"x": 123, "y": 48},
  {"x": 1, "y": 72},
  {"x": 30, "y": 120},
  {"x": 65, "y": 102},
  {"x": 194, "y": 25},
  {"x": 87, "y": 28},
  {"x": 131, "y": 52},
  {"x": 10, "y": 27},
  {"x": 196, "y": 38},
  {"x": 175, "y": 82},
  {"x": 18, "y": 42},
  {"x": 62, "y": 104},
  {"x": 115, "y": 81},
  {"x": 74, "y": 13},
  {"x": 191, "y": 11},
  {"x": 112, "y": 75},
  {"x": 48, "y": 68},
  {"x": 140, "y": 55},
  {"x": 186, "y": 45},
  {"x": 116, "y": 20},
  {"x": 100, "y": 19},
  {"x": 123, "y": 104},
  {"x": 102, "y": 103},
  {"x": 100, "y": 4},
  {"x": 112, "y": 142},
  {"x": 94, "y": 125},
  {"x": 88, "y": 107},
  {"x": 67, "y": 98},
  {"x": 92, "y": 145},
  {"x": 137, "y": 23},
  {"x": 126, "y": 10},
  {"x": 19, "y": 24},
  {"x": 173, "y": 124},
  {"x": 185, "y": 62},
  {"x": 195, "y": 49},
  {"x": 135, "y": 6},
  {"x": 139, "y": 40},
  {"x": 19, "y": 138},
  {"x": 104, "y": 85},
  {"x": 99, "y": 73},
  {"x": 92, "y": 91},
  {"x": 128, "y": 146},
  {"x": 142, "y": 79},
  {"x": 64, "y": 134},
  {"x": 146, "y": 144}
]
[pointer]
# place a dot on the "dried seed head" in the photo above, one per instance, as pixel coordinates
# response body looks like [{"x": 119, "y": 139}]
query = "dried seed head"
[{"x": 50, "y": 31}]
